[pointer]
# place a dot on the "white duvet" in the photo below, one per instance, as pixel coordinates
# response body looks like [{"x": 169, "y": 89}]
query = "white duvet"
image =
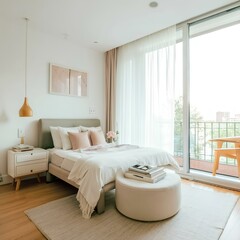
[{"x": 95, "y": 167}]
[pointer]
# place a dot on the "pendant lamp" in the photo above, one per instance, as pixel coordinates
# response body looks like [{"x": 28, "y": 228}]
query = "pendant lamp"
[{"x": 25, "y": 110}]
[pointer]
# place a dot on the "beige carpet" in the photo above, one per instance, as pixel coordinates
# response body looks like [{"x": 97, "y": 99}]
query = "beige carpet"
[{"x": 203, "y": 215}]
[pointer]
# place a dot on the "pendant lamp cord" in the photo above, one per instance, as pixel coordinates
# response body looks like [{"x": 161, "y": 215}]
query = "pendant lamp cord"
[{"x": 26, "y": 56}]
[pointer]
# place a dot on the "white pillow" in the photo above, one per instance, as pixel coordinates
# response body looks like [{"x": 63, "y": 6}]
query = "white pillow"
[
  {"x": 57, "y": 142},
  {"x": 66, "y": 143},
  {"x": 84, "y": 129}
]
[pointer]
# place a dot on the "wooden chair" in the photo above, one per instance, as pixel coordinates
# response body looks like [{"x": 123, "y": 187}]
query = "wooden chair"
[{"x": 226, "y": 152}]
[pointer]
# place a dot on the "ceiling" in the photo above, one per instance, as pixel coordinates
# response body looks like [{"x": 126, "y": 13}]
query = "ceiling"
[{"x": 104, "y": 24}]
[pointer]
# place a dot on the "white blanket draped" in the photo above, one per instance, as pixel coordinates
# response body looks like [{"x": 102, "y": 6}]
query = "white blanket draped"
[{"x": 96, "y": 167}]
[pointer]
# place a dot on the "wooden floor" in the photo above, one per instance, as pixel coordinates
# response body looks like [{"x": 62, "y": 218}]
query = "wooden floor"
[{"x": 14, "y": 224}]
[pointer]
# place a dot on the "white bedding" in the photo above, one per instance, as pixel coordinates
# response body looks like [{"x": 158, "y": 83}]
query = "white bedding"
[
  {"x": 56, "y": 160},
  {"x": 64, "y": 158},
  {"x": 92, "y": 168}
]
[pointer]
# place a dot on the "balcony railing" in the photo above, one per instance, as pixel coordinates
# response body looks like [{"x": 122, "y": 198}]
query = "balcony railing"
[{"x": 201, "y": 149}]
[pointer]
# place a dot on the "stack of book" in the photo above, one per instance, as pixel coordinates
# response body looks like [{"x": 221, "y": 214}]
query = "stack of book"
[
  {"x": 22, "y": 148},
  {"x": 146, "y": 173}
]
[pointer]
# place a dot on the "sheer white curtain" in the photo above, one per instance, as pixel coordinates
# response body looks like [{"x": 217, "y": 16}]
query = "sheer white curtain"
[{"x": 145, "y": 91}]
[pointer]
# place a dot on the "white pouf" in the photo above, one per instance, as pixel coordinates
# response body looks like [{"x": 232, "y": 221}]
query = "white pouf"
[{"x": 148, "y": 201}]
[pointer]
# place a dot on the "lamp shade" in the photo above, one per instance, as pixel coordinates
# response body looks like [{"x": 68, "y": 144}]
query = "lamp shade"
[{"x": 25, "y": 110}]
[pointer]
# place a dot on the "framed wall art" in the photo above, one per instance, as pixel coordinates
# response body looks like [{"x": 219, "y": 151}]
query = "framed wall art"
[{"x": 66, "y": 81}]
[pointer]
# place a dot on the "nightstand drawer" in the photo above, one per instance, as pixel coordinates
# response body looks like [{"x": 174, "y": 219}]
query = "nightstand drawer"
[
  {"x": 31, "y": 169},
  {"x": 21, "y": 164},
  {"x": 30, "y": 156}
]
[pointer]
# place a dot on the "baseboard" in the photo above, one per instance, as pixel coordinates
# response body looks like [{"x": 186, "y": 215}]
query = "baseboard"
[
  {"x": 6, "y": 179},
  {"x": 218, "y": 180}
]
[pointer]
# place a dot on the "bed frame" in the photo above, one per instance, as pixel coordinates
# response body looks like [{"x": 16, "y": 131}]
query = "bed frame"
[{"x": 45, "y": 141}]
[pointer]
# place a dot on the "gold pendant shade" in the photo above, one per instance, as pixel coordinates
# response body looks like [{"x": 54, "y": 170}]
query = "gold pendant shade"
[{"x": 25, "y": 110}]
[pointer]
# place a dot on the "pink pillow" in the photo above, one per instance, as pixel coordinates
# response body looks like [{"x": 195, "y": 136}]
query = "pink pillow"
[
  {"x": 79, "y": 140},
  {"x": 89, "y": 130},
  {"x": 97, "y": 137}
]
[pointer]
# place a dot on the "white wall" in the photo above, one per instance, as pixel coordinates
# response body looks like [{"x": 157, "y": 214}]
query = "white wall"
[{"x": 43, "y": 49}]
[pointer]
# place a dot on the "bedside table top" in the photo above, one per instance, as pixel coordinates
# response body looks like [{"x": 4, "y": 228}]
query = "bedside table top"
[{"x": 27, "y": 151}]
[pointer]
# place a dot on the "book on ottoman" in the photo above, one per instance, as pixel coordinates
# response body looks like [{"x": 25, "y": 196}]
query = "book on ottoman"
[
  {"x": 146, "y": 169},
  {"x": 145, "y": 173}
]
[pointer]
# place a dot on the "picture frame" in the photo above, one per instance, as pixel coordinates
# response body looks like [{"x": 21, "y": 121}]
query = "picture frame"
[{"x": 68, "y": 82}]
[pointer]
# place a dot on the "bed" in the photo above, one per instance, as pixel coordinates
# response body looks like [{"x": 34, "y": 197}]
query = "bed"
[{"x": 93, "y": 170}]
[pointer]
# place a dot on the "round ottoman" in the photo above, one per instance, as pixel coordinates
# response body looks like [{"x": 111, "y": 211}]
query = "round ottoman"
[{"x": 148, "y": 201}]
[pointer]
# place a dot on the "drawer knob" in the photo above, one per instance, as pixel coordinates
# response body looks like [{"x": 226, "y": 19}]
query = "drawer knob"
[
  {"x": 31, "y": 153},
  {"x": 31, "y": 170}
]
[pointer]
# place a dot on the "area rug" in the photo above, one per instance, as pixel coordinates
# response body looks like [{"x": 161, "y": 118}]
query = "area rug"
[{"x": 203, "y": 216}]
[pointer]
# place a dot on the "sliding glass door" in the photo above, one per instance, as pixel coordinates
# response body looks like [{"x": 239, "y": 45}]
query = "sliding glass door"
[{"x": 214, "y": 52}]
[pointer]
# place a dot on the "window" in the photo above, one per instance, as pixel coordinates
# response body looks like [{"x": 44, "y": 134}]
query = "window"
[{"x": 214, "y": 82}]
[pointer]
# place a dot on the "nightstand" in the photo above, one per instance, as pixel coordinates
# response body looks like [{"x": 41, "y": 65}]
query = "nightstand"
[{"x": 22, "y": 164}]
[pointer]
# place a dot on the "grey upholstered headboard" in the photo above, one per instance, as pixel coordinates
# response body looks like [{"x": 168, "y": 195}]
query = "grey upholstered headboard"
[{"x": 44, "y": 134}]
